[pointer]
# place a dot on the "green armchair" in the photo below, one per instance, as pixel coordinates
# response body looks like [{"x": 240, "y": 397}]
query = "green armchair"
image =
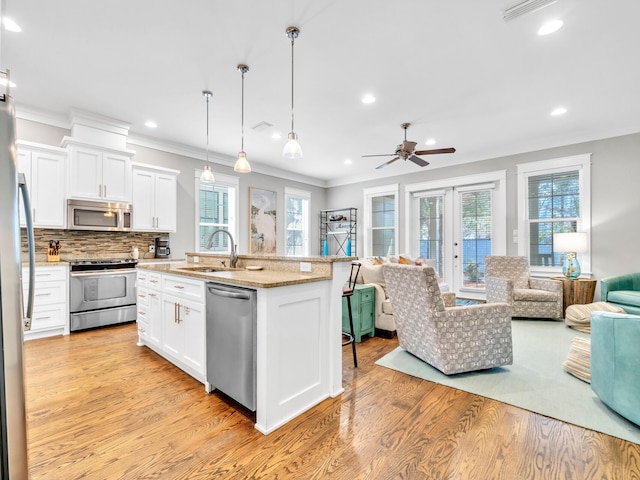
[
  {"x": 622, "y": 291},
  {"x": 615, "y": 362}
]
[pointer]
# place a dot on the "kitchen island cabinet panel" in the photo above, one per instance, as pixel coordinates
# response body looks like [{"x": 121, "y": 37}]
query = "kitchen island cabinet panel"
[{"x": 50, "y": 307}]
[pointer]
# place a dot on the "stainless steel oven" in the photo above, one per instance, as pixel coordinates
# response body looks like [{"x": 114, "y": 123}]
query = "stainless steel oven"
[{"x": 101, "y": 292}]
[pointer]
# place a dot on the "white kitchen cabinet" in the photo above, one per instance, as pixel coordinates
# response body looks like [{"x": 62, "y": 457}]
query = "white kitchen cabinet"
[
  {"x": 154, "y": 198},
  {"x": 149, "y": 298},
  {"x": 50, "y": 307},
  {"x": 44, "y": 170},
  {"x": 171, "y": 319},
  {"x": 97, "y": 173}
]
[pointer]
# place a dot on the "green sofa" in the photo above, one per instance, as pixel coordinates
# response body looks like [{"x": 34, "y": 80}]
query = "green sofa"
[
  {"x": 622, "y": 291},
  {"x": 615, "y": 362}
]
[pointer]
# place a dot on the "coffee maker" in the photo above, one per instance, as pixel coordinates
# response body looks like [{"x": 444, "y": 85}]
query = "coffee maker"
[{"x": 162, "y": 247}]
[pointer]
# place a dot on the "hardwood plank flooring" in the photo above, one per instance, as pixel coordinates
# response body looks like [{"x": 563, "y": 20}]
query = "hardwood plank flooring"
[{"x": 100, "y": 407}]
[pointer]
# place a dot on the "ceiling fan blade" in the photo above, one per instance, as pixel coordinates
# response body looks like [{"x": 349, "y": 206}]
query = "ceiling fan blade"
[
  {"x": 387, "y": 163},
  {"x": 418, "y": 161},
  {"x": 435, "y": 151},
  {"x": 381, "y": 155}
]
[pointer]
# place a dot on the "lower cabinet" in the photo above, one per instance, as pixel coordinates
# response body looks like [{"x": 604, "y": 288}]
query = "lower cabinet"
[
  {"x": 171, "y": 319},
  {"x": 50, "y": 307},
  {"x": 363, "y": 311}
]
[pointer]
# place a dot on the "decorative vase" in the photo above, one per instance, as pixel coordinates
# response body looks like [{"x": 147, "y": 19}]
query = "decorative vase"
[
  {"x": 348, "y": 249},
  {"x": 325, "y": 248},
  {"x": 571, "y": 267}
]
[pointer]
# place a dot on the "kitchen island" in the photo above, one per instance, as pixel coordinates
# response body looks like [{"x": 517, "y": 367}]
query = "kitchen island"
[{"x": 298, "y": 340}]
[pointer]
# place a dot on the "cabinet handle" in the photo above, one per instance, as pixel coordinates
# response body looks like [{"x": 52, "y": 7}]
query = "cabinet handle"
[
  {"x": 100, "y": 190},
  {"x": 152, "y": 294},
  {"x": 175, "y": 313},
  {"x": 142, "y": 313},
  {"x": 34, "y": 215},
  {"x": 141, "y": 295},
  {"x": 153, "y": 281},
  {"x": 42, "y": 294},
  {"x": 179, "y": 287},
  {"x": 141, "y": 330},
  {"x": 105, "y": 190},
  {"x": 179, "y": 307}
]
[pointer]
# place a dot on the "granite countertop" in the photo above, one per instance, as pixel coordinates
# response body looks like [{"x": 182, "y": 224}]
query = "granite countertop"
[{"x": 251, "y": 278}]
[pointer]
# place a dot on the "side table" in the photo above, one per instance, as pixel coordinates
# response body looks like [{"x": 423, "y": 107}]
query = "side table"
[
  {"x": 576, "y": 291},
  {"x": 363, "y": 310}
]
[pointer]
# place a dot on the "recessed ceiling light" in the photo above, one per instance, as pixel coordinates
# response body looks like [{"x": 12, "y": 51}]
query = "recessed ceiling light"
[
  {"x": 151, "y": 124},
  {"x": 430, "y": 141},
  {"x": 3, "y": 83},
  {"x": 11, "y": 26},
  {"x": 276, "y": 136},
  {"x": 550, "y": 27},
  {"x": 348, "y": 161},
  {"x": 558, "y": 111},
  {"x": 368, "y": 98}
]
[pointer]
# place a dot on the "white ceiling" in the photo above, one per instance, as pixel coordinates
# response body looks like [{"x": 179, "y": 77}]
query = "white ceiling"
[{"x": 454, "y": 69}]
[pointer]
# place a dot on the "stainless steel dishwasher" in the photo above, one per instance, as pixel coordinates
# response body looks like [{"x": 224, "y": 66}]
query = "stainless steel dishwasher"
[{"x": 231, "y": 342}]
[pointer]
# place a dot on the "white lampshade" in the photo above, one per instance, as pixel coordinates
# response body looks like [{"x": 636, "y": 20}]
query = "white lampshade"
[
  {"x": 207, "y": 175},
  {"x": 292, "y": 149},
  {"x": 242, "y": 165},
  {"x": 570, "y": 242}
]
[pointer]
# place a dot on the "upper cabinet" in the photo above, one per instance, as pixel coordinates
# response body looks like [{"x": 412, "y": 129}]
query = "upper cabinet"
[
  {"x": 44, "y": 170},
  {"x": 154, "y": 195},
  {"x": 97, "y": 173}
]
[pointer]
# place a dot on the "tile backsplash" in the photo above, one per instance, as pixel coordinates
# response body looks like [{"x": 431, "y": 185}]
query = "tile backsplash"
[{"x": 76, "y": 244}]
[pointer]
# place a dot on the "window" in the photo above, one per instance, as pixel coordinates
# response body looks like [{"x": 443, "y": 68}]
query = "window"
[
  {"x": 297, "y": 221},
  {"x": 553, "y": 198},
  {"x": 381, "y": 216},
  {"x": 216, "y": 208}
]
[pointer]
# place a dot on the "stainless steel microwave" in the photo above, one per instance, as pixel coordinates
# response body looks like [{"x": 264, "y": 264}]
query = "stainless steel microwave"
[{"x": 90, "y": 215}]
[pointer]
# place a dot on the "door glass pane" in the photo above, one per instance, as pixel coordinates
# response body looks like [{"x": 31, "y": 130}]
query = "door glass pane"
[
  {"x": 476, "y": 235},
  {"x": 431, "y": 230}
]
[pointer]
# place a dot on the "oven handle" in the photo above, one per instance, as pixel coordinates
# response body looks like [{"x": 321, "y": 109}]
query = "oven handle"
[{"x": 91, "y": 273}]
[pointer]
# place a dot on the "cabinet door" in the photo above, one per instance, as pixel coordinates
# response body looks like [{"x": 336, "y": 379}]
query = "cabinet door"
[
  {"x": 172, "y": 336},
  {"x": 367, "y": 320},
  {"x": 116, "y": 177},
  {"x": 154, "y": 317},
  {"x": 24, "y": 166},
  {"x": 85, "y": 173},
  {"x": 47, "y": 190},
  {"x": 192, "y": 319},
  {"x": 165, "y": 200},
  {"x": 143, "y": 200}
]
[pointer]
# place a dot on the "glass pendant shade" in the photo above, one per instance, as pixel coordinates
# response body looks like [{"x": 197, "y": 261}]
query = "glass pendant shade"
[
  {"x": 207, "y": 175},
  {"x": 242, "y": 165},
  {"x": 292, "y": 149}
]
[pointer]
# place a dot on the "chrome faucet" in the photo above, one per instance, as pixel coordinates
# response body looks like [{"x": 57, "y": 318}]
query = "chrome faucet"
[{"x": 233, "y": 258}]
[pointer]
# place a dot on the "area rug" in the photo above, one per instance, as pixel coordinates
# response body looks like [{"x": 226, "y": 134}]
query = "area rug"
[{"x": 536, "y": 381}]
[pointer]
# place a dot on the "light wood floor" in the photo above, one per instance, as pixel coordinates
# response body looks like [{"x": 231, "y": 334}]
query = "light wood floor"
[{"x": 100, "y": 407}]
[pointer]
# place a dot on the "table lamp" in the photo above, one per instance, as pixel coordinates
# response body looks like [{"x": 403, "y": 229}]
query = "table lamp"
[{"x": 570, "y": 243}]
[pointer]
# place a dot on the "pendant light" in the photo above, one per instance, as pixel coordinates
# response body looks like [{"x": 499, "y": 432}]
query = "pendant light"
[
  {"x": 242, "y": 165},
  {"x": 292, "y": 149},
  {"x": 207, "y": 174}
]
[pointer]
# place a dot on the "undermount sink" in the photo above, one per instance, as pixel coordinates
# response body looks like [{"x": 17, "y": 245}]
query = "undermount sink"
[{"x": 207, "y": 269}]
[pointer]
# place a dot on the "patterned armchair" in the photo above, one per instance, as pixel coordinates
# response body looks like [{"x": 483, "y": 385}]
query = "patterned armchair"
[
  {"x": 453, "y": 340},
  {"x": 508, "y": 281}
]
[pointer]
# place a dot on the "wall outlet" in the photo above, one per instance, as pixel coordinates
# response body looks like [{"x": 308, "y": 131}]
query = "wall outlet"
[
  {"x": 196, "y": 259},
  {"x": 305, "y": 266},
  {"x": 152, "y": 249}
]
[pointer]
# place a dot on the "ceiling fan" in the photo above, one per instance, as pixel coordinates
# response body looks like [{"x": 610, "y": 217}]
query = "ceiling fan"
[{"x": 406, "y": 151}]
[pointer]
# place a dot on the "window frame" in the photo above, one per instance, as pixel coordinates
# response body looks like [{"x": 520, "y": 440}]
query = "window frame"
[
  {"x": 581, "y": 163},
  {"x": 367, "y": 233},
  {"x": 233, "y": 184},
  {"x": 305, "y": 196}
]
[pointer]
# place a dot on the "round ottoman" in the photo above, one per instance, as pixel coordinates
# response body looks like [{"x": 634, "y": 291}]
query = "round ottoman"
[{"x": 578, "y": 317}]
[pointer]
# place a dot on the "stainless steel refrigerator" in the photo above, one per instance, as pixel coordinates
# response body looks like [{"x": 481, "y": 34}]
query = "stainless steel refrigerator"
[{"x": 13, "y": 463}]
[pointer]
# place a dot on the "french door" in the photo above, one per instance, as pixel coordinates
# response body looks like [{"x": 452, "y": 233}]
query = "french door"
[{"x": 458, "y": 226}]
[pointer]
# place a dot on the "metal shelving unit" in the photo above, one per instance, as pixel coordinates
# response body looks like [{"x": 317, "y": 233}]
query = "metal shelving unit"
[{"x": 339, "y": 232}]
